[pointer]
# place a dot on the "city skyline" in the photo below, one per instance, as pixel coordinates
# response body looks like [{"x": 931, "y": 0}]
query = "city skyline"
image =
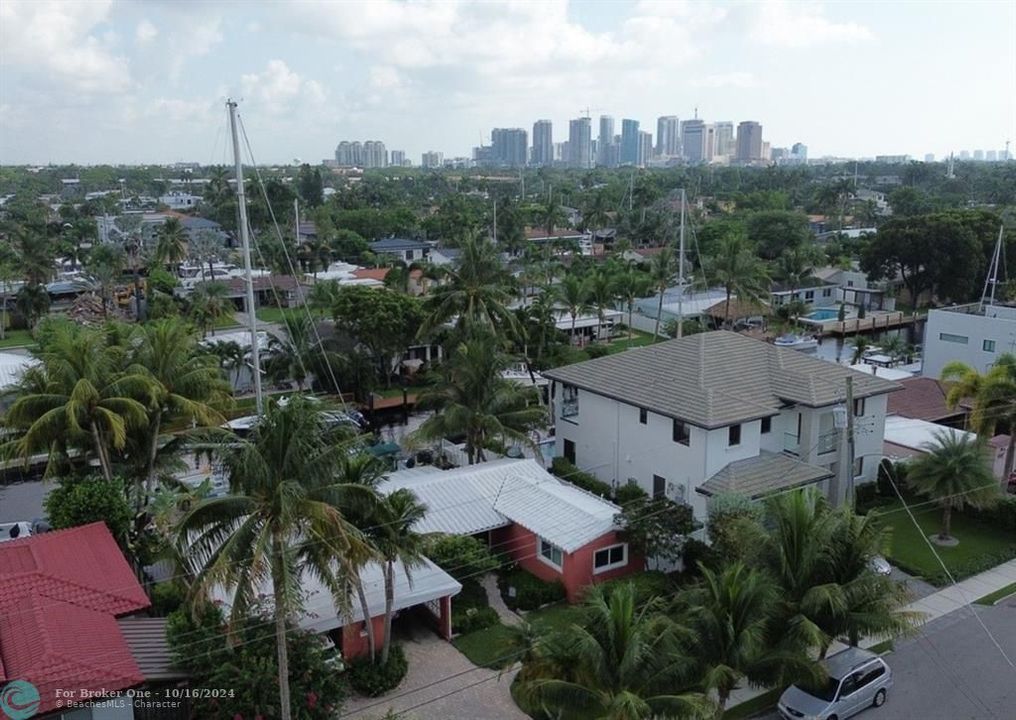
[{"x": 111, "y": 81}]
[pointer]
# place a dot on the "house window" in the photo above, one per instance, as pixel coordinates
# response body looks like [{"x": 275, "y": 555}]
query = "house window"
[
  {"x": 659, "y": 487},
  {"x": 551, "y": 554},
  {"x": 809, "y": 295},
  {"x": 643, "y": 416},
  {"x": 858, "y": 467},
  {"x": 569, "y": 451},
  {"x": 988, "y": 346},
  {"x": 949, "y": 337},
  {"x": 767, "y": 425},
  {"x": 733, "y": 435},
  {"x": 569, "y": 401},
  {"x": 409, "y": 254},
  {"x": 859, "y": 407},
  {"x": 611, "y": 557},
  {"x": 681, "y": 433},
  {"x": 827, "y": 292}
]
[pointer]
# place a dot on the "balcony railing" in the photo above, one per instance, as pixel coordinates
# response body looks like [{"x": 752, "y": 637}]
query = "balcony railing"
[{"x": 827, "y": 442}]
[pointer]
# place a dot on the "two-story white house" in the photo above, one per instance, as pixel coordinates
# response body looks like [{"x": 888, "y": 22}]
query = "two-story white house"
[{"x": 717, "y": 412}]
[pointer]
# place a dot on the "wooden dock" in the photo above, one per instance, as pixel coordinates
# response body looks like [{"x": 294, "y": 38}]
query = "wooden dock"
[{"x": 873, "y": 323}]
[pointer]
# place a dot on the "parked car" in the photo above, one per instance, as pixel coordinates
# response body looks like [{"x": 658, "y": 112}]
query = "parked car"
[
  {"x": 858, "y": 679},
  {"x": 880, "y": 566}
]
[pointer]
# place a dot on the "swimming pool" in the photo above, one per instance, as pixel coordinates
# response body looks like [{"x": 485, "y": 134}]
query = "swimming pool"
[{"x": 823, "y": 314}]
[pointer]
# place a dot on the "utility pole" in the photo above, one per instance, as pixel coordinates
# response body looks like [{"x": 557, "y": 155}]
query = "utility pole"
[
  {"x": 241, "y": 201},
  {"x": 495, "y": 221},
  {"x": 296, "y": 222},
  {"x": 850, "y": 441},
  {"x": 680, "y": 271}
]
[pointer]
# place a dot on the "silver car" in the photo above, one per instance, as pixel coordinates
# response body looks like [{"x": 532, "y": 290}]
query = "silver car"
[{"x": 858, "y": 679}]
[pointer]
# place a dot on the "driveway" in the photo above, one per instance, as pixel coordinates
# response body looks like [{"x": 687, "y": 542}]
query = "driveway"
[
  {"x": 952, "y": 670},
  {"x": 23, "y": 500},
  {"x": 441, "y": 683}
]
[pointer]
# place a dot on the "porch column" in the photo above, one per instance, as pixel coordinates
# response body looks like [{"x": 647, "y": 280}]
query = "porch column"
[{"x": 445, "y": 621}]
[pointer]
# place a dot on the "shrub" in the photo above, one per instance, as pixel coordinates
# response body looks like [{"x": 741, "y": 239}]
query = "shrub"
[
  {"x": 461, "y": 556},
  {"x": 167, "y": 597},
  {"x": 597, "y": 351},
  {"x": 530, "y": 592},
  {"x": 629, "y": 492},
  {"x": 374, "y": 679},
  {"x": 889, "y": 472},
  {"x": 865, "y": 497},
  {"x": 472, "y": 619},
  {"x": 1001, "y": 514},
  {"x": 696, "y": 551},
  {"x": 82, "y": 501},
  {"x": 568, "y": 472},
  {"x": 648, "y": 584}
]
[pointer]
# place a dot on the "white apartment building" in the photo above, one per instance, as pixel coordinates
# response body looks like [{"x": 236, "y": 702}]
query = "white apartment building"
[
  {"x": 973, "y": 334},
  {"x": 714, "y": 413}
]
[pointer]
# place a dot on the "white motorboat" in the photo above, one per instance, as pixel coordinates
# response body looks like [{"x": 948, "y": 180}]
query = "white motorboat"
[{"x": 796, "y": 342}]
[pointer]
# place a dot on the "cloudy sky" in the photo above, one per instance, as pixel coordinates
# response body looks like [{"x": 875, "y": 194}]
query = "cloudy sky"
[{"x": 145, "y": 80}]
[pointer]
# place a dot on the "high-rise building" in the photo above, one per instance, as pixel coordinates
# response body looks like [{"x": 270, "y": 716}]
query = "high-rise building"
[
  {"x": 605, "y": 154},
  {"x": 580, "y": 141},
  {"x": 991, "y": 156},
  {"x": 398, "y": 158},
  {"x": 710, "y": 142},
  {"x": 509, "y": 147},
  {"x": 693, "y": 140},
  {"x": 645, "y": 150},
  {"x": 723, "y": 138},
  {"x": 978, "y": 155},
  {"x": 375, "y": 155},
  {"x": 929, "y": 157},
  {"x": 543, "y": 143},
  {"x": 668, "y": 136},
  {"x": 629, "y": 142},
  {"x": 799, "y": 152},
  {"x": 349, "y": 154},
  {"x": 749, "y": 142},
  {"x": 432, "y": 159}
]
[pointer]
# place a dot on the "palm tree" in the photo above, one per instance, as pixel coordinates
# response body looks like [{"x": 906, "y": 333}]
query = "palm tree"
[
  {"x": 476, "y": 293},
  {"x": 231, "y": 357},
  {"x": 394, "y": 540},
  {"x": 186, "y": 383},
  {"x": 171, "y": 244},
  {"x": 602, "y": 294},
  {"x": 729, "y": 613},
  {"x": 205, "y": 247},
  {"x": 9, "y": 272},
  {"x": 955, "y": 471},
  {"x": 551, "y": 214},
  {"x": 860, "y": 345},
  {"x": 632, "y": 284},
  {"x": 994, "y": 396},
  {"x": 794, "y": 266},
  {"x": 472, "y": 399},
  {"x": 736, "y": 267},
  {"x": 209, "y": 302},
  {"x": 80, "y": 397},
  {"x": 663, "y": 270},
  {"x": 573, "y": 293},
  {"x": 32, "y": 302},
  {"x": 623, "y": 661},
  {"x": 322, "y": 296},
  {"x": 285, "y": 516},
  {"x": 297, "y": 352},
  {"x": 596, "y": 213},
  {"x": 106, "y": 264}
]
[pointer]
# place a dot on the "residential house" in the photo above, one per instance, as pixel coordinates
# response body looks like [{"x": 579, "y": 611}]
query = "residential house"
[
  {"x": 716, "y": 412},
  {"x": 401, "y": 249},
  {"x": 813, "y": 292},
  {"x": 974, "y": 334},
  {"x": 551, "y": 528},
  {"x": 854, "y": 288},
  {"x": 64, "y": 598},
  {"x": 905, "y": 438},
  {"x": 269, "y": 291},
  {"x": 923, "y": 398}
]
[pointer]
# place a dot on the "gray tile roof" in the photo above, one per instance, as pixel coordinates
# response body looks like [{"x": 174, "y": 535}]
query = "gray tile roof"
[
  {"x": 717, "y": 378},
  {"x": 759, "y": 476}
]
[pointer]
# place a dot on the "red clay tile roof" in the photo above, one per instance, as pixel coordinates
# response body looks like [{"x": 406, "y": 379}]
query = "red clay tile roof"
[
  {"x": 371, "y": 273},
  {"x": 922, "y": 398},
  {"x": 60, "y": 593}
]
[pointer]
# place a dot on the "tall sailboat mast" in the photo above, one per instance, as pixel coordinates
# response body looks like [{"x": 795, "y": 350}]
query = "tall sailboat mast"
[
  {"x": 241, "y": 201},
  {"x": 680, "y": 271}
]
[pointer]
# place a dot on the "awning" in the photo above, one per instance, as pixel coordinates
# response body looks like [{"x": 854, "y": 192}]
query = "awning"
[{"x": 763, "y": 475}]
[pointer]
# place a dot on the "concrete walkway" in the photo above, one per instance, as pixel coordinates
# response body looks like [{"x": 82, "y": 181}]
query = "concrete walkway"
[
  {"x": 966, "y": 591},
  {"x": 494, "y": 599}
]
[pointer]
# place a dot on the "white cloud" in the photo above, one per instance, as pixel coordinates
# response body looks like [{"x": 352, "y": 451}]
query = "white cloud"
[
  {"x": 197, "y": 35},
  {"x": 145, "y": 32},
  {"x": 56, "y": 42},
  {"x": 385, "y": 77},
  {"x": 279, "y": 90},
  {"x": 780, "y": 23},
  {"x": 725, "y": 80}
]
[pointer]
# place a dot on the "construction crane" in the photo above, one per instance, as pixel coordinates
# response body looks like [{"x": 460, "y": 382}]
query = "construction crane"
[{"x": 585, "y": 112}]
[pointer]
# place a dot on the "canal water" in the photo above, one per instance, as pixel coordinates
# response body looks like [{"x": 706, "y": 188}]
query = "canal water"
[{"x": 839, "y": 349}]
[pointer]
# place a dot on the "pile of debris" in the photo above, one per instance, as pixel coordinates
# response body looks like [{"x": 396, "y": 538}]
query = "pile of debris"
[{"x": 87, "y": 309}]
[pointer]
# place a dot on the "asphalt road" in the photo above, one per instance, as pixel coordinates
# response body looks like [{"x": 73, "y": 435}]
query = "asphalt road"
[
  {"x": 23, "y": 501},
  {"x": 953, "y": 671}
]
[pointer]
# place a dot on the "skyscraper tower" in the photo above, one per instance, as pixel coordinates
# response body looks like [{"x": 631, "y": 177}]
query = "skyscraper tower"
[
  {"x": 543, "y": 143},
  {"x": 629, "y": 142},
  {"x": 510, "y": 146},
  {"x": 668, "y": 137},
  {"x": 604, "y": 142},
  {"x": 749, "y": 142},
  {"x": 580, "y": 141},
  {"x": 693, "y": 140},
  {"x": 724, "y": 138},
  {"x": 645, "y": 150}
]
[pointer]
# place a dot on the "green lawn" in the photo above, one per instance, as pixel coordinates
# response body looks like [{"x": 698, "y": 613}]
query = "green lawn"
[
  {"x": 1000, "y": 594},
  {"x": 17, "y": 338},
  {"x": 981, "y": 546},
  {"x": 272, "y": 314},
  {"x": 639, "y": 339},
  {"x": 491, "y": 647},
  {"x": 225, "y": 321}
]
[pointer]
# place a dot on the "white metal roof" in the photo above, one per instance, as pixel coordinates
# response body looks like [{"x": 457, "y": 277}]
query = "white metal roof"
[
  {"x": 887, "y": 373},
  {"x": 916, "y": 434},
  {"x": 12, "y": 366},
  {"x": 476, "y": 498}
]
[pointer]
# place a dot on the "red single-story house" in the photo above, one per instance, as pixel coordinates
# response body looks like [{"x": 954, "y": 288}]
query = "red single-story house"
[
  {"x": 60, "y": 596},
  {"x": 551, "y": 528}
]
